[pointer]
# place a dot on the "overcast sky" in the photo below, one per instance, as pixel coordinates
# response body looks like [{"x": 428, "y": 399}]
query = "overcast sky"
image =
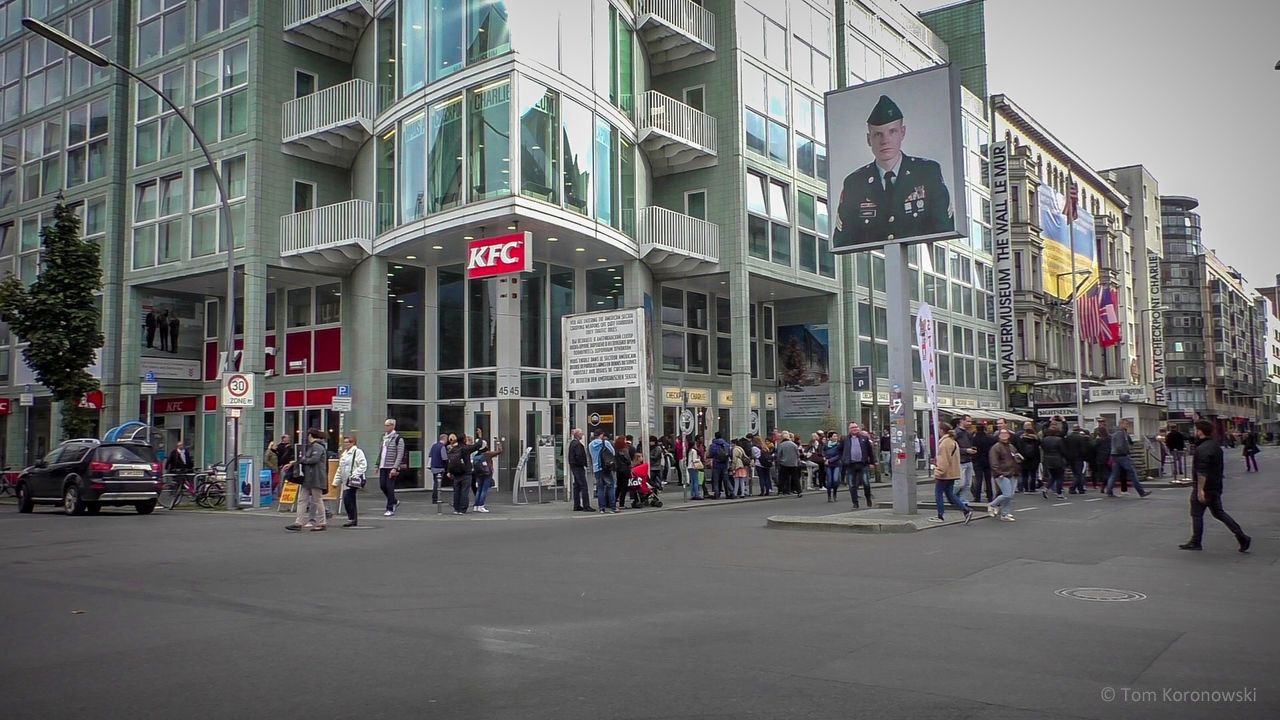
[{"x": 1185, "y": 87}]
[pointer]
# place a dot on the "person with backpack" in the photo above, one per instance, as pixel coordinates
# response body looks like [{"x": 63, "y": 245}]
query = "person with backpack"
[
  {"x": 763, "y": 460},
  {"x": 482, "y": 470},
  {"x": 391, "y": 459},
  {"x": 459, "y": 470},
  {"x": 603, "y": 463},
  {"x": 721, "y": 453}
]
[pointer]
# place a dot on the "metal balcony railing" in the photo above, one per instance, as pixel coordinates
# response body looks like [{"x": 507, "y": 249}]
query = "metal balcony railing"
[
  {"x": 673, "y": 241},
  {"x": 346, "y": 104},
  {"x": 329, "y": 27},
  {"x": 669, "y": 116},
  {"x": 347, "y": 226},
  {"x": 677, "y": 33},
  {"x": 298, "y": 12}
]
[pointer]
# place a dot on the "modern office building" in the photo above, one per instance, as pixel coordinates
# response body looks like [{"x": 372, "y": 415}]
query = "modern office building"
[
  {"x": 1215, "y": 327},
  {"x": 1145, "y": 321},
  {"x": 662, "y": 154}
]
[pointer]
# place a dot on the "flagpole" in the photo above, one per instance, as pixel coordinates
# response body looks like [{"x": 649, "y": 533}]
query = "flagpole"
[{"x": 1075, "y": 310}]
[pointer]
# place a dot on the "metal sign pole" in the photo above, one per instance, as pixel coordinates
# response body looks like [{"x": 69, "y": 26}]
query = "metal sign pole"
[{"x": 901, "y": 383}]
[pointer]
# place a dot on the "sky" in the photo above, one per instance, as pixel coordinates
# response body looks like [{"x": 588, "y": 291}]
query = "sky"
[{"x": 1185, "y": 87}]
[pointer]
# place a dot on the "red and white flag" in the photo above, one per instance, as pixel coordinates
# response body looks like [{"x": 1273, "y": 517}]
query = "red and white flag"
[{"x": 1109, "y": 314}]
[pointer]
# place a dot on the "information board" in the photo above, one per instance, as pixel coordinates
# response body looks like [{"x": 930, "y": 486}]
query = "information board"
[{"x": 604, "y": 350}]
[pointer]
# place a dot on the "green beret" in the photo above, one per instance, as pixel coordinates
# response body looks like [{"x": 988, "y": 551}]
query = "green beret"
[{"x": 885, "y": 112}]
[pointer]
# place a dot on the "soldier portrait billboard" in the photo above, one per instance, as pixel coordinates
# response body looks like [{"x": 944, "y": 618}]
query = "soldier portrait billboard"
[{"x": 897, "y": 161}]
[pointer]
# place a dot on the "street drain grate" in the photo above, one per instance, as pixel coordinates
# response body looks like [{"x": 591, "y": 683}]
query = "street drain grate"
[{"x": 1100, "y": 594}]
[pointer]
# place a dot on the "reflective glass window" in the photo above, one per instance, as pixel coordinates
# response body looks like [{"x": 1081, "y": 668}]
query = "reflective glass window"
[
  {"x": 488, "y": 34},
  {"x": 577, "y": 144},
  {"x": 413, "y": 45},
  {"x": 413, "y": 155},
  {"x": 490, "y": 140},
  {"x": 539, "y": 134},
  {"x": 444, "y": 159},
  {"x": 446, "y": 33}
]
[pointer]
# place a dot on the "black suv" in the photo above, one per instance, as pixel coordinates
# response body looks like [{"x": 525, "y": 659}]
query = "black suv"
[{"x": 84, "y": 475}]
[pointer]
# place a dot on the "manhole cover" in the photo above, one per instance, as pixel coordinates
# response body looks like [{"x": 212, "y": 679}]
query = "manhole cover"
[{"x": 1100, "y": 594}]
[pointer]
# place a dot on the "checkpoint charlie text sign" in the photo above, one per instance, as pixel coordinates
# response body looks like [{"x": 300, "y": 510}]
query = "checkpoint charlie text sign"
[{"x": 604, "y": 350}]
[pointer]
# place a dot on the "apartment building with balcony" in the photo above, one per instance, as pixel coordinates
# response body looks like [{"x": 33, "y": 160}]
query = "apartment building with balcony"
[{"x": 663, "y": 154}]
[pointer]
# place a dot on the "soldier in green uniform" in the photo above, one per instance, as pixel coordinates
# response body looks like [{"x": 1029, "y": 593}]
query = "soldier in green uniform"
[{"x": 896, "y": 196}]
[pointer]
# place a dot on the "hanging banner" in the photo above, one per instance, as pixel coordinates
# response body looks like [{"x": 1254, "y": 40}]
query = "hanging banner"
[
  {"x": 1002, "y": 237},
  {"x": 1156, "y": 329},
  {"x": 803, "y": 371},
  {"x": 928, "y": 359}
]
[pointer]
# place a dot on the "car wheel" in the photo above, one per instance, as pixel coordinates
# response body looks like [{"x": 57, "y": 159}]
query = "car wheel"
[
  {"x": 145, "y": 508},
  {"x": 25, "y": 503},
  {"x": 71, "y": 502},
  {"x": 93, "y": 508}
]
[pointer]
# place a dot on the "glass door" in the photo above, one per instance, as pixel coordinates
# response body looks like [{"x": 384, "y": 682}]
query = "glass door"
[
  {"x": 479, "y": 421},
  {"x": 535, "y": 429}
]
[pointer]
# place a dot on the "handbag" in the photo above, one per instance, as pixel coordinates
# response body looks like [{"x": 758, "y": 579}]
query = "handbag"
[
  {"x": 356, "y": 481},
  {"x": 296, "y": 474}
]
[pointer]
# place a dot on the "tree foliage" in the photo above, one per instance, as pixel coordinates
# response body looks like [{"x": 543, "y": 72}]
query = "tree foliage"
[{"x": 58, "y": 317}]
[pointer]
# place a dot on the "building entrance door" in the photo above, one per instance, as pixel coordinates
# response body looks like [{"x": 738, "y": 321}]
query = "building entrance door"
[{"x": 535, "y": 422}]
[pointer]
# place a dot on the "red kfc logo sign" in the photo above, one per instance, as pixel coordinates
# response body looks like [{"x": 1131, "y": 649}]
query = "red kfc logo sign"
[
  {"x": 4, "y": 406},
  {"x": 500, "y": 255}
]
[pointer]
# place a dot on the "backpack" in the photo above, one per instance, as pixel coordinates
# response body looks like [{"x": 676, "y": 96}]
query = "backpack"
[
  {"x": 720, "y": 452},
  {"x": 607, "y": 460},
  {"x": 766, "y": 459},
  {"x": 457, "y": 465}
]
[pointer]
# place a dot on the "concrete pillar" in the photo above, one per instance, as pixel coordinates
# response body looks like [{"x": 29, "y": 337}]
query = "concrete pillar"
[
  {"x": 838, "y": 360},
  {"x": 739, "y": 289},
  {"x": 253, "y": 359},
  {"x": 364, "y": 358}
]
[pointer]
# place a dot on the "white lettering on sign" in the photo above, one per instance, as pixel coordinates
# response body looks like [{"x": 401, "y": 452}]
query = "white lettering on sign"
[
  {"x": 499, "y": 256},
  {"x": 603, "y": 350}
]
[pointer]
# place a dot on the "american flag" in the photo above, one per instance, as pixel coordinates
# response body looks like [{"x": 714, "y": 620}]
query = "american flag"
[{"x": 1089, "y": 306}]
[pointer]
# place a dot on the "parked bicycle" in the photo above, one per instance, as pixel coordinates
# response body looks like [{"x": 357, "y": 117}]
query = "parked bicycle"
[{"x": 208, "y": 488}]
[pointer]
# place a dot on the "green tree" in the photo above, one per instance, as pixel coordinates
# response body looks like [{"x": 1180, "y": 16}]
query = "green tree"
[{"x": 58, "y": 318}]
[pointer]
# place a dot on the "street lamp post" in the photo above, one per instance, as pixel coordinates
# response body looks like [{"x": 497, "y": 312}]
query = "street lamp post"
[
  {"x": 96, "y": 58},
  {"x": 1075, "y": 337}
]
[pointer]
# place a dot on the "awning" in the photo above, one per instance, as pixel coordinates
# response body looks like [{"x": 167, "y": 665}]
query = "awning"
[{"x": 979, "y": 414}]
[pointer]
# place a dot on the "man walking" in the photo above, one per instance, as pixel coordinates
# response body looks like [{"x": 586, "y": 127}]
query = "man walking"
[
  {"x": 968, "y": 451},
  {"x": 390, "y": 460},
  {"x": 855, "y": 455},
  {"x": 438, "y": 460},
  {"x": 1006, "y": 465},
  {"x": 1207, "y": 491},
  {"x": 1177, "y": 445},
  {"x": 1121, "y": 444},
  {"x": 886, "y": 452},
  {"x": 578, "y": 460},
  {"x": 788, "y": 455},
  {"x": 1079, "y": 453},
  {"x": 983, "y": 441}
]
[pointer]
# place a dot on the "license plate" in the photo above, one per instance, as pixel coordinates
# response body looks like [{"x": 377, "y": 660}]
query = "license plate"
[{"x": 130, "y": 473}]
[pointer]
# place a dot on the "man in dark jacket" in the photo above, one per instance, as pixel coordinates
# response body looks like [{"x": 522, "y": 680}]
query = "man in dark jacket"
[
  {"x": 438, "y": 459},
  {"x": 1079, "y": 454},
  {"x": 1207, "y": 491},
  {"x": 1176, "y": 442},
  {"x": 1099, "y": 466},
  {"x": 578, "y": 462},
  {"x": 1121, "y": 462},
  {"x": 855, "y": 456},
  {"x": 968, "y": 451},
  {"x": 721, "y": 453},
  {"x": 459, "y": 469},
  {"x": 1053, "y": 456},
  {"x": 983, "y": 441}
]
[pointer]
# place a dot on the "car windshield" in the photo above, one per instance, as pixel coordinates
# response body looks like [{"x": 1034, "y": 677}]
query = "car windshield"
[{"x": 126, "y": 454}]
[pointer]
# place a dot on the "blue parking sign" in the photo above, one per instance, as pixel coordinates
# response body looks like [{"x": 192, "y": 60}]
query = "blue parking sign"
[{"x": 344, "y": 391}]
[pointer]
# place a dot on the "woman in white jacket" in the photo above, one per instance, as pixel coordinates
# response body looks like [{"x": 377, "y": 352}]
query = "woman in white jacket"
[{"x": 352, "y": 466}]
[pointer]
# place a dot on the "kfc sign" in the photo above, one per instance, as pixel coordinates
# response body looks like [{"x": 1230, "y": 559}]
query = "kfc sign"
[
  {"x": 4, "y": 406},
  {"x": 92, "y": 400},
  {"x": 500, "y": 255}
]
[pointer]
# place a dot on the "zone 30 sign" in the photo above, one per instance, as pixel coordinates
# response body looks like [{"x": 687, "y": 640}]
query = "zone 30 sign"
[{"x": 503, "y": 255}]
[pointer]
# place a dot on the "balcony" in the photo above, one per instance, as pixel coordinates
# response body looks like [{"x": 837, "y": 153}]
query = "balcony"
[
  {"x": 674, "y": 243},
  {"x": 329, "y": 27},
  {"x": 333, "y": 237},
  {"x": 675, "y": 136},
  {"x": 677, "y": 34},
  {"x": 330, "y": 125}
]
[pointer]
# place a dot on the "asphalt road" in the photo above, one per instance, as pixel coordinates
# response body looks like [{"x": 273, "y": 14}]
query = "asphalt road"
[{"x": 687, "y": 614}]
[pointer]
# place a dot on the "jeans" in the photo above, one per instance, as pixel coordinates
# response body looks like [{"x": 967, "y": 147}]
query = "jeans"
[
  {"x": 436, "y": 475},
  {"x": 1123, "y": 464},
  {"x": 605, "y": 485},
  {"x": 720, "y": 480},
  {"x": 766, "y": 484},
  {"x": 966, "y": 478},
  {"x": 695, "y": 484},
  {"x": 947, "y": 488},
  {"x": 1004, "y": 503},
  {"x": 1077, "y": 472},
  {"x": 1251, "y": 462},
  {"x": 461, "y": 492},
  {"x": 982, "y": 479},
  {"x": 581, "y": 495},
  {"x": 482, "y": 491},
  {"x": 310, "y": 507},
  {"x": 833, "y": 480},
  {"x": 885, "y": 457},
  {"x": 1056, "y": 477},
  {"x": 1179, "y": 463},
  {"x": 388, "y": 485},
  {"x": 855, "y": 474},
  {"x": 349, "y": 503},
  {"x": 1214, "y": 505}
]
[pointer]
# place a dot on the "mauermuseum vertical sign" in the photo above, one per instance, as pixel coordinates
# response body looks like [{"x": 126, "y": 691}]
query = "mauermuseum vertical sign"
[{"x": 1002, "y": 237}]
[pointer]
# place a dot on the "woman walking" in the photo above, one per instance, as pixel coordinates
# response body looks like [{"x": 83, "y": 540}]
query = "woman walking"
[
  {"x": 693, "y": 465},
  {"x": 1053, "y": 455},
  {"x": 352, "y": 466},
  {"x": 1029, "y": 446},
  {"x": 1251, "y": 451},
  {"x": 945, "y": 474},
  {"x": 315, "y": 462},
  {"x": 831, "y": 454}
]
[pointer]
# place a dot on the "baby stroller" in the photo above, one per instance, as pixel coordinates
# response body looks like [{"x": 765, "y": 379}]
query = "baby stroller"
[{"x": 644, "y": 493}]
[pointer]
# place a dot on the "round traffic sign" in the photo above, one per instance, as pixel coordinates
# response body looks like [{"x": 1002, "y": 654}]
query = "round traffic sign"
[
  {"x": 238, "y": 385},
  {"x": 594, "y": 419},
  {"x": 686, "y": 422}
]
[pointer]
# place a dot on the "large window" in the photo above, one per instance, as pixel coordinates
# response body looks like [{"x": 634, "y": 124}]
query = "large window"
[
  {"x": 42, "y": 159},
  {"x": 93, "y": 28},
  {"x": 685, "y": 341},
  {"x": 159, "y": 215},
  {"x": 10, "y": 161},
  {"x": 412, "y": 168},
  {"x": 621, "y": 62},
  {"x": 765, "y": 114},
  {"x": 206, "y": 218},
  {"x": 45, "y": 77},
  {"x": 11, "y": 83},
  {"x": 385, "y": 192},
  {"x": 405, "y": 287},
  {"x": 87, "y": 143},
  {"x": 447, "y": 27},
  {"x": 539, "y": 134},
  {"x": 162, "y": 28},
  {"x": 221, "y": 94},
  {"x": 490, "y": 140},
  {"x": 216, "y": 15},
  {"x": 487, "y": 32},
  {"x": 413, "y": 43},
  {"x": 159, "y": 133},
  {"x": 578, "y": 138},
  {"x": 388, "y": 50},
  {"x": 811, "y": 136},
  {"x": 605, "y": 138},
  {"x": 814, "y": 251},
  {"x": 444, "y": 159}
]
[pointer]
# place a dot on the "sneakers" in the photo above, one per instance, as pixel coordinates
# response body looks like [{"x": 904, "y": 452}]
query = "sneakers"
[
  {"x": 1190, "y": 546},
  {"x": 389, "y": 513},
  {"x": 349, "y": 523},
  {"x": 936, "y": 519},
  {"x": 482, "y": 509},
  {"x": 1245, "y": 542},
  {"x": 1060, "y": 496},
  {"x": 1008, "y": 518},
  {"x": 1144, "y": 493},
  {"x": 457, "y": 512},
  {"x": 993, "y": 511},
  {"x": 293, "y": 528},
  {"x": 968, "y": 515},
  {"x": 1044, "y": 493},
  {"x": 317, "y": 528}
]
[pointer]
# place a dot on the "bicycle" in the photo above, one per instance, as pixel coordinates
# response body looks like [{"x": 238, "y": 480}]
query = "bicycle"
[{"x": 208, "y": 488}]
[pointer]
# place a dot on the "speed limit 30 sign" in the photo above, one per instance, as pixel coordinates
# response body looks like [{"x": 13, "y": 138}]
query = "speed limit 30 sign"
[{"x": 237, "y": 390}]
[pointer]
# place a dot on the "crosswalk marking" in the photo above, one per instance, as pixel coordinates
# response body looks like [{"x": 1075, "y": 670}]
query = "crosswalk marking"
[
  {"x": 1026, "y": 509},
  {"x": 1093, "y": 500},
  {"x": 1061, "y": 504}
]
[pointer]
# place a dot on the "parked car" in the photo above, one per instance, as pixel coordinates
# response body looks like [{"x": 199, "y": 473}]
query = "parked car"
[{"x": 84, "y": 475}]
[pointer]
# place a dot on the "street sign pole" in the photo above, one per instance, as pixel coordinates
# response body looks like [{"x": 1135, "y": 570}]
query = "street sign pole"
[
  {"x": 901, "y": 382},
  {"x": 27, "y": 401}
]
